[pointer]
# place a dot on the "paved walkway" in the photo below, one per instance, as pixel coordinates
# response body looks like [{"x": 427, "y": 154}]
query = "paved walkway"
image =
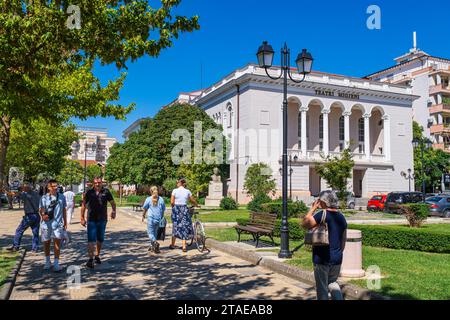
[{"x": 128, "y": 271}]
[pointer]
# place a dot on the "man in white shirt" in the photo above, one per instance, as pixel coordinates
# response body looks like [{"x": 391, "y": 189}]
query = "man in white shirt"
[{"x": 70, "y": 200}]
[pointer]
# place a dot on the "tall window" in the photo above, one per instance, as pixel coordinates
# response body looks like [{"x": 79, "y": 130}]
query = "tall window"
[
  {"x": 341, "y": 133},
  {"x": 230, "y": 118},
  {"x": 361, "y": 135},
  {"x": 321, "y": 132}
]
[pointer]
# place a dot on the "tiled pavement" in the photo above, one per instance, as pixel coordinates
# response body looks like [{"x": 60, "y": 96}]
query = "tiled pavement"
[{"x": 128, "y": 271}]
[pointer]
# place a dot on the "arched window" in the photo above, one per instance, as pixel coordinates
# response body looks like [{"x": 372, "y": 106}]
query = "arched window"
[
  {"x": 361, "y": 135},
  {"x": 321, "y": 132},
  {"x": 230, "y": 118},
  {"x": 341, "y": 133}
]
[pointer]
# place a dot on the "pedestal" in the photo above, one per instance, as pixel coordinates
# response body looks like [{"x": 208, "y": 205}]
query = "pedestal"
[
  {"x": 215, "y": 194},
  {"x": 352, "y": 262}
]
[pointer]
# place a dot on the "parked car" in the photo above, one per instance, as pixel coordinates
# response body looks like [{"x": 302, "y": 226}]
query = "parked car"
[
  {"x": 376, "y": 203},
  {"x": 3, "y": 199},
  {"x": 439, "y": 205},
  {"x": 350, "y": 200},
  {"x": 395, "y": 199}
]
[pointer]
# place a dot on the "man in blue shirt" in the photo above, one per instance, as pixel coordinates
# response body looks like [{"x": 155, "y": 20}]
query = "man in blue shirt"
[
  {"x": 31, "y": 218},
  {"x": 53, "y": 214}
]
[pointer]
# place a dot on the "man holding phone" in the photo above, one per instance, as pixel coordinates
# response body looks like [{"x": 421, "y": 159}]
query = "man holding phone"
[{"x": 96, "y": 201}]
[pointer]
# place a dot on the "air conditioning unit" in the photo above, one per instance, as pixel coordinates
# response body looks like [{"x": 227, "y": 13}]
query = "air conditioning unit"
[{"x": 430, "y": 122}]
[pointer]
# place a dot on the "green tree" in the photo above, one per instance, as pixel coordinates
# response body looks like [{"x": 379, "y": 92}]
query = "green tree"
[
  {"x": 93, "y": 171},
  {"x": 40, "y": 147},
  {"x": 46, "y": 66},
  {"x": 71, "y": 173},
  {"x": 258, "y": 180},
  {"x": 435, "y": 163},
  {"x": 147, "y": 153},
  {"x": 336, "y": 171}
]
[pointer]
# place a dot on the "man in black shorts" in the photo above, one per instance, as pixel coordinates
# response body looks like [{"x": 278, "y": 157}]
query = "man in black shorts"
[{"x": 96, "y": 200}]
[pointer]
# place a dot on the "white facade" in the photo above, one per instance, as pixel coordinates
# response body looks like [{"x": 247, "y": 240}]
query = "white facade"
[
  {"x": 325, "y": 114},
  {"x": 90, "y": 135}
]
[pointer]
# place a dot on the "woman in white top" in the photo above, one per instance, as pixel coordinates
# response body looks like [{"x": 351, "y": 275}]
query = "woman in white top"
[{"x": 181, "y": 219}]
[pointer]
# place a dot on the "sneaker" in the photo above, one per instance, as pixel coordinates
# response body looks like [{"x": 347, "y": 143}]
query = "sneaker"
[
  {"x": 150, "y": 249},
  {"x": 156, "y": 247},
  {"x": 90, "y": 264},
  {"x": 97, "y": 260},
  {"x": 12, "y": 249},
  {"x": 57, "y": 268},
  {"x": 48, "y": 265}
]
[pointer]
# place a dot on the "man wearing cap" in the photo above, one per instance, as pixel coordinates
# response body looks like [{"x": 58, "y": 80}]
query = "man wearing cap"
[{"x": 31, "y": 219}]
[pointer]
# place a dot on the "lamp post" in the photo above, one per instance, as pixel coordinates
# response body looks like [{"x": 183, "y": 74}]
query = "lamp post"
[
  {"x": 304, "y": 64},
  {"x": 408, "y": 177},
  {"x": 91, "y": 148},
  {"x": 291, "y": 171},
  {"x": 422, "y": 144}
]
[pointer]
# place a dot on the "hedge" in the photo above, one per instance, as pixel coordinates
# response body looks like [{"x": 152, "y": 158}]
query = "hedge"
[
  {"x": 402, "y": 237},
  {"x": 296, "y": 232},
  {"x": 295, "y": 208}
]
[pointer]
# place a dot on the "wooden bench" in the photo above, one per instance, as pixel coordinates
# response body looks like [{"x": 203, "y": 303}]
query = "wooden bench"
[
  {"x": 261, "y": 224},
  {"x": 138, "y": 206}
]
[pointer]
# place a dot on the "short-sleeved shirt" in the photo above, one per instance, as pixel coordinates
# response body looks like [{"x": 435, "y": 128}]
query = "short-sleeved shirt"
[
  {"x": 155, "y": 212},
  {"x": 332, "y": 254},
  {"x": 97, "y": 204},
  {"x": 58, "y": 212},
  {"x": 31, "y": 201},
  {"x": 181, "y": 195},
  {"x": 70, "y": 197}
]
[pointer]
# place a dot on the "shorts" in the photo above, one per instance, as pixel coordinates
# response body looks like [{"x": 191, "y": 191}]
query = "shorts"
[
  {"x": 51, "y": 230},
  {"x": 96, "y": 230}
]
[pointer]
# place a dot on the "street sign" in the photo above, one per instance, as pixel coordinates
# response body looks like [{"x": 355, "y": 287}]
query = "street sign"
[{"x": 15, "y": 178}]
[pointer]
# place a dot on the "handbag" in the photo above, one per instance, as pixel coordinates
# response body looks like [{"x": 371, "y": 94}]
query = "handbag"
[
  {"x": 161, "y": 234},
  {"x": 318, "y": 236}
]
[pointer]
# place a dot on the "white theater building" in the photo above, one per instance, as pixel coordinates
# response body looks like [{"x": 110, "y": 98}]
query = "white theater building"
[{"x": 326, "y": 112}]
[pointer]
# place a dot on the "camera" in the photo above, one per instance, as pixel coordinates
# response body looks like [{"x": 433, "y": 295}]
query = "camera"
[{"x": 50, "y": 210}]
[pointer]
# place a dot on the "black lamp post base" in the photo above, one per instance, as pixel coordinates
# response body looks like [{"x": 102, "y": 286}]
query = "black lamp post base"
[{"x": 285, "y": 254}]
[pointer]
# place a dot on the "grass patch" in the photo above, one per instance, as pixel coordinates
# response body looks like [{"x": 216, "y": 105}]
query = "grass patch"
[
  {"x": 7, "y": 262},
  {"x": 406, "y": 274}
]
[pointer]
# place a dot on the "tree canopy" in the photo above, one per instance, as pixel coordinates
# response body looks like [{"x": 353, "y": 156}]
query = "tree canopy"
[
  {"x": 46, "y": 66},
  {"x": 71, "y": 173},
  {"x": 40, "y": 147},
  {"x": 258, "y": 180},
  {"x": 147, "y": 156}
]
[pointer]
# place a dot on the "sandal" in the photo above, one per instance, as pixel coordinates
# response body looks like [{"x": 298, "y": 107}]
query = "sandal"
[
  {"x": 171, "y": 247},
  {"x": 184, "y": 249}
]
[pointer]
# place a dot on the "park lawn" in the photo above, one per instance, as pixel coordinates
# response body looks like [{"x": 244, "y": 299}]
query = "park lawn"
[
  {"x": 7, "y": 262},
  {"x": 406, "y": 274}
]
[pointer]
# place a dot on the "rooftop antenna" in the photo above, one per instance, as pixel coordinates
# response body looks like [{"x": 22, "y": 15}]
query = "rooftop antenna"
[{"x": 414, "y": 49}]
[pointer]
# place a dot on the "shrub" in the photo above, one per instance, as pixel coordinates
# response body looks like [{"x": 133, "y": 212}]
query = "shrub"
[
  {"x": 257, "y": 201},
  {"x": 228, "y": 203},
  {"x": 294, "y": 208},
  {"x": 416, "y": 213},
  {"x": 169, "y": 184},
  {"x": 403, "y": 237},
  {"x": 136, "y": 199},
  {"x": 296, "y": 232}
]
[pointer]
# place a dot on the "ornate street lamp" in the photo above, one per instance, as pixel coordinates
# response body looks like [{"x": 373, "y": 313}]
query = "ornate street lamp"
[
  {"x": 408, "y": 177},
  {"x": 304, "y": 62},
  {"x": 88, "y": 148}
]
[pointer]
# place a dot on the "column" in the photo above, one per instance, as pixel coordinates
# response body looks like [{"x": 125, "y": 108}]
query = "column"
[
  {"x": 326, "y": 137},
  {"x": 367, "y": 135},
  {"x": 387, "y": 138},
  {"x": 346, "y": 115},
  {"x": 303, "y": 131}
]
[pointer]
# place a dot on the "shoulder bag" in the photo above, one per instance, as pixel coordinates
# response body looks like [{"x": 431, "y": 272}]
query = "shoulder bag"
[{"x": 318, "y": 236}]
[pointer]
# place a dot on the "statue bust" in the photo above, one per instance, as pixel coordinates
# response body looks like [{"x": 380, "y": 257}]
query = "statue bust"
[{"x": 216, "y": 177}]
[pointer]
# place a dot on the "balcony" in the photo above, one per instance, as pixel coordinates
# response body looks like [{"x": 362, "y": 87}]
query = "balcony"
[
  {"x": 439, "y": 108},
  {"x": 440, "y": 128},
  {"x": 312, "y": 155},
  {"x": 442, "y": 146},
  {"x": 440, "y": 88}
]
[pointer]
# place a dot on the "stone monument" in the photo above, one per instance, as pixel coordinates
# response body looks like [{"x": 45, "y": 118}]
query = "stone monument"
[{"x": 215, "y": 190}]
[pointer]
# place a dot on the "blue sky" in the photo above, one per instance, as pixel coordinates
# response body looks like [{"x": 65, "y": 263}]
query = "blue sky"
[{"x": 335, "y": 32}]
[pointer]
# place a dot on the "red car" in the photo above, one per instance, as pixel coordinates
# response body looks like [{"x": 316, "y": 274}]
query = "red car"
[{"x": 376, "y": 203}]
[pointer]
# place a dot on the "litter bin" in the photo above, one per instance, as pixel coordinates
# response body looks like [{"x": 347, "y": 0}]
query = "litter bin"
[{"x": 352, "y": 261}]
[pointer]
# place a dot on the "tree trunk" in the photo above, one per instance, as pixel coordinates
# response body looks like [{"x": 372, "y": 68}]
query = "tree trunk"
[{"x": 5, "y": 131}]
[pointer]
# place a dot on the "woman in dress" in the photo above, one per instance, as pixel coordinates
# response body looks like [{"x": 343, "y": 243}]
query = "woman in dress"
[{"x": 181, "y": 219}]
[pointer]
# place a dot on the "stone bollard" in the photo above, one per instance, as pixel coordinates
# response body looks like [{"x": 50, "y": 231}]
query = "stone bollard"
[{"x": 352, "y": 261}]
